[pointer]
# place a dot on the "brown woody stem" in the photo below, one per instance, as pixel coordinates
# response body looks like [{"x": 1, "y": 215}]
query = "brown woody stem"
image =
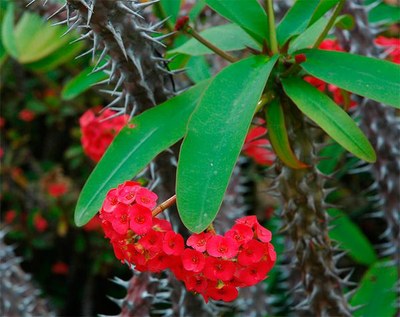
[{"x": 166, "y": 204}]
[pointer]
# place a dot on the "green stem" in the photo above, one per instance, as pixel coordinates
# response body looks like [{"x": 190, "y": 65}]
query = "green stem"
[
  {"x": 332, "y": 20},
  {"x": 272, "y": 32},
  {"x": 189, "y": 30}
]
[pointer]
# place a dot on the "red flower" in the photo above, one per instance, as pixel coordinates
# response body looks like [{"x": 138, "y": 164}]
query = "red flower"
[
  {"x": 40, "y": 223},
  {"x": 111, "y": 201},
  {"x": 219, "y": 246},
  {"x": 173, "y": 243},
  {"x": 254, "y": 273},
  {"x": 127, "y": 192},
  {"x": 251, "y": 252},
  {"x": 146, "y": 198},
  {"x": 57, "y": 189},
  {"x": 93, "y": 225},
  {"x": 193, "y": 260},
  {"x": 26, "y": 115},
  {"x": 195, "y": 283},
  {"x": 240, "y": 233},
  {"x": 141, "y": 219},
  {"x": 262, "y": 233},
  {"x": 256, "y": 146},
  {"x": 10, "y": 216},
  {"x": 60, "y": 268},
  {"x": 392, "y": 46},
  {"x": 98, "y": 132},
  {"x": 331, "y": 45},
  {"x": 121, "y": 219},
  {"x": 226, "y": 293},
  {"x": 152, "y": 242},
  {"x": 161, "y": 225},
  {"x": 199, "y": 241},
  {"x": 248, "y": 221},
  {"x": 219, "y": 269}
]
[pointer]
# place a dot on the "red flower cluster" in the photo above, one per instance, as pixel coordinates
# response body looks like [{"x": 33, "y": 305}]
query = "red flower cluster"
[
  {"x": 340, "y": 96},
  {"x": 392, "y": 47},
  {"x": 212, "y": 265},
  {"x": 98, "y": 131},
  {"x": 256, "y": 145}
]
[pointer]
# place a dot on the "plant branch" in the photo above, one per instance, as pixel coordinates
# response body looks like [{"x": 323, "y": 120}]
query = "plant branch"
[
  {"x": 166, "y": 204},
  {"x": 272, "y": 31}
]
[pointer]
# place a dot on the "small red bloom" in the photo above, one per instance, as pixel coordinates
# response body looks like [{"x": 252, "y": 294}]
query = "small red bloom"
[
  {"x": 173, "y": 243},
  {"x": 121, "y": 219},
  {"x": 146, "y": 198},
  {"x": 300, "y": 58},
  {"x": 195, "y": 282},
  {"x": 193, "y": 260},
  {"x": 57, "y": 189},
  {"x": 254, "y": 273},
  {"x": 26, "y": 115},
  {"x": 141, "y": 219},
  {"x": 248, "y": 221},
  {"x": 10, "y": 216},
  {"x": 262, "y": 233},
  {"x": 40, "y": 223},
  {"x": 60, "y": 268},
  {"x": 181, "y": 23},
  {"x": 111, "y": 201},
  {"x": 127, "y": 192},
  {"x": 251, "y": 252},
  {"x": 219, "y": 269},
  {"x": 226, "y": 293},
  {"x": 219, "y": 246},
  {"x": 256, "y": 146},
  {"x": 161, "y": 225},
  {"x": 240, "y": 233},
  {"x": 152, "y": 242},
  {"x": 199, "y": 241}
]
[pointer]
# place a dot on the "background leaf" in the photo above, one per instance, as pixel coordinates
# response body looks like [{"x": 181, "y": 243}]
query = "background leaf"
[
  {"x": 82, "y": 82},
  {"x": 351, "y": 238},
  {"x": 171, "y": 9},
  {"x": 7, "y": 30},
  {"x": 377, "y": 291},
  {"x": 215, "y": 136},
  {"x": 134, "y": 148},
  {"x": 278, "y": 135},
  {"x": 330, "y": 117},
  {"x": 198, "y": 69},
  {"x": 234, "y": 38},
  {"x": 323, "y": 7},
  {"x": 248, "y": 14},
  {"x": 296, "y": 19},
  {"x": 369, "y": 77}
]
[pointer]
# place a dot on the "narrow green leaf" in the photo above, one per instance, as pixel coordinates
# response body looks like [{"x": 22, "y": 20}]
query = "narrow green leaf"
[
  {"x": 8, "y": 37},
  {"x": 234, "y": 38},
  {"x": 154, "y": 131},
  {"x": 377, "y": 291},
  {"x": 197, "y": 9},
  {"x": 330, "y": 117},
  {"x": 82, "y": 82},
  {"x": 369, "y": 77},
  {"x": 198, "y": 69},
  {"x": 215, "y": 136},
  {"x": 323, "y": 7},
  {"x": 278, "y": 135},
  {"x": 330, "y": 158},
  {"x": 384, "y": 13},
  {"x": 309, "y": 36},
  {"x": 171, "y": 8},
  {"x": 351, "y": 238},
  {"x": 345, "y": 22},
  {"x": 296, "y": 19},
  {"x": 248, "y": 14}
]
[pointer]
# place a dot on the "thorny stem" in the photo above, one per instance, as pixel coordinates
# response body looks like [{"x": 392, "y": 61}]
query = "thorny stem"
[
  {"x": 272, "y": 32},
  {"x": 161, "y": 207},
  {"x": 322, "y": 36},
  {"x": 189, "y": 30}
]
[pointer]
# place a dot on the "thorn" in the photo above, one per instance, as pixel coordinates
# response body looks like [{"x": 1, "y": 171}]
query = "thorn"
[
  {"x": 58, "y": 11},
  {"x": 128, "y": 10},
  {"x": 118, "y": 38},
  {"x": 82, "y": 37},
  {"x": 95, "y": 45},
  {"x": 141, "y": 6},
  {"x": 126, "y": 101},
  {"x": 160, "y": 38},
  {"x": 30, "y": 3},
  {"x": 96, "y": 68},
  {"x": 83, "y": 54},
  {"x": 83, "y": 2},
  {"x": 158, "y": 24},
  {"x": 145, "y": 35},
  {"x": 65, "y": 21},
  {"x": 73, "y": 26},
  {"x": 119, "y": 83},
  {"x": 105, "y": 81},
  {"x": 119, "y": 302},
  {"x": 116, "y": 100}
]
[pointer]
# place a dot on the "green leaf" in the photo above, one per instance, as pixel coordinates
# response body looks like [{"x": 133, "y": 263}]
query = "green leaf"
[
  {"x": 345, "y": 22},
  {"x": 171, "y": 8},
  {"x": 369, "y": 77},
  {"x": 323, "y": 7},
  {"x": 7, "y": 31},
  {"x": 82, "y": 82},
  {"x": 296, "y": 19},
  {"x": 309, "y": 36},
  {"x": 330, "y": 157},
  {"x": 278, "y": 135},
  {"x": 37, "y": 39},
  {"x": 234, "y": 38},
  {"x": 155, "y": 130},
  {"x": 330, "y": 117},
  {"x": 197, "y": 9},
  {"x": 198, "y": 69},
  {"x": 377, "y": 291},
  {"x": 246, "y": 13},
  {"x": 351, "y": 238},
  {"x": 384, "y": 13},
  {"x": 215, "y": 136}
]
